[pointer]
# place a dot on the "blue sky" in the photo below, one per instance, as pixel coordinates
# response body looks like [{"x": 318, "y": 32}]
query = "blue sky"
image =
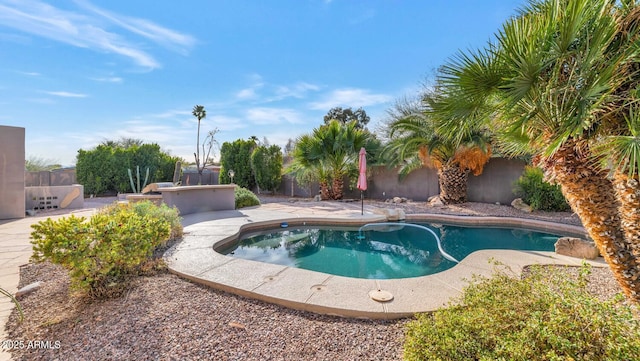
[{"x": 77, "y": 72}]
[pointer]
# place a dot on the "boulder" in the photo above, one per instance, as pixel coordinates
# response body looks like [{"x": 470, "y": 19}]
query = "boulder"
[
  {"x": 576, "y": 247},
  {"x": 394, "y": 215},
  {"x": 435, "y": 201},
  {"x": 520, "y": 205}
]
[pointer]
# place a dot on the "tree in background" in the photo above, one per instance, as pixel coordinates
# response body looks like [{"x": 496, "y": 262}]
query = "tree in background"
[
  {"x": 330, "y": 153},
  {"x": 347, "y": 115},
  {"x": 415, "y": 142},
  {"x": 207, "y": 145},
  {"x": 266, "y": 162},
  {"x": 123, "y": 142},
  {"x": 36, "y": 164},
  {"x": 236, "y": 156},
  {"x": 104, "y": 169}
]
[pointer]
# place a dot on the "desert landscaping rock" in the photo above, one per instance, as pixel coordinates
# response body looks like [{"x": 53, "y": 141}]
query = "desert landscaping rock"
[
  {"x": 576, "y": 247},
  {"x": 28, "y": 289},
  {"x": 520, "y": 205}
]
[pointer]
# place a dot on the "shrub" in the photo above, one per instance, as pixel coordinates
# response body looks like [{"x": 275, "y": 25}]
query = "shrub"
[
  {"x": 104, "y": 169},
  {"x": 149, "y": 209},
  {"x": 236, "y": 156},
  {"x": 546, "y": 316},
  {"x": 539, "y": 194},
  {"x": 245, "y": 198},
  {"x": 266, "y": 163},
  {"x": 104, "y": 252}
]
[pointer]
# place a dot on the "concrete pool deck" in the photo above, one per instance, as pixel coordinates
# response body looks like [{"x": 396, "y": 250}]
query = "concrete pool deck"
[{"x": 195, "y": 259}]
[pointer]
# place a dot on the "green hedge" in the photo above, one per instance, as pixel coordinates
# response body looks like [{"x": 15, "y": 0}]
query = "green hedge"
[
  {"x": 266, "y": 163},
  {"x": 236, "y": 156},
  {"x": 104, "y": 168}
]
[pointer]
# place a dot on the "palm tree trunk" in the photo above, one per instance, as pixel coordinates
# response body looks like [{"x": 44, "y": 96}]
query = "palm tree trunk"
[
  {"x": 337, "y": 187},
  {"x": 591, "y": 195},
  {"x": 453, "y": 183},
  {"x": 628, "y": 194},
  {"x": 325, "y": 192}
]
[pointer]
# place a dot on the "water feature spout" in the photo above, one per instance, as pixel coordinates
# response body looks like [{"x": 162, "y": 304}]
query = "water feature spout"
[{"x": 444, "y": 254}]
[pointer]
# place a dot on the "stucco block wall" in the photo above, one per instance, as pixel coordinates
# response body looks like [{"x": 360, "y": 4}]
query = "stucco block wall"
[
  {"x": 495, "y": 184},
  {"x": 12, "y": 155},
  {"x": 385, "y": 183},
  {"x": 202, "y": 198},
  {"x": 58, "y": 177},
  {"x": 43, "y": 198}
]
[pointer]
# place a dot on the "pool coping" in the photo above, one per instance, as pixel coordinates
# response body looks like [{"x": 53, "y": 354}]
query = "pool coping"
[{"x": 194, "y": 258}]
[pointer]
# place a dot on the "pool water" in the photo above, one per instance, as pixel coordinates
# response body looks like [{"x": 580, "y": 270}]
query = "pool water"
[{"x": 381, "y": 252}]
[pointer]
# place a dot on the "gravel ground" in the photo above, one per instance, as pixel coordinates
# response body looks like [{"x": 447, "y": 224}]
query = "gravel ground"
[{"x": 163, "y": 317}]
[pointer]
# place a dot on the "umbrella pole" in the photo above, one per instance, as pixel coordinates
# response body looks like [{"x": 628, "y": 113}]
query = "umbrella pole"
[{"x": 361, "y": 203}]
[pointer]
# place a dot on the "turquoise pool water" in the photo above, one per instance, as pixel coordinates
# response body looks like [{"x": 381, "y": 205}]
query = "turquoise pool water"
[{"x": 381, "y": 252}]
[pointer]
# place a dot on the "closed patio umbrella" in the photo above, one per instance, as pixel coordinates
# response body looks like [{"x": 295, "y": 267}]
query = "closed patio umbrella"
[{"x": 362, "y": 177}]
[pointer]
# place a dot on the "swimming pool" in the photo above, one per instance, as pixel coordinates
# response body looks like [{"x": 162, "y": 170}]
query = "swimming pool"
[{"x": 385, "y": 251}]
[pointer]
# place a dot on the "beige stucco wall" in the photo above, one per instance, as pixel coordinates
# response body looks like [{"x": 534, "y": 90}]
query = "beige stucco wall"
[{"x": 11, "y": 172}]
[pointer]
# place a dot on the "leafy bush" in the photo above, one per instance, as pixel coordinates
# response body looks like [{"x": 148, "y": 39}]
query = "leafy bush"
[
  {"x": 245, "y": 198},
  {"x": 266, "y": 163},
  {"x": 104, "y": 252},
  {"x": 539, "y": 194},
  {"x": 104, "y": 169},
  {"x": 546, "y": 316},
  {"x": 150, "y": 209},
  {"x": 236, "y": 156}
]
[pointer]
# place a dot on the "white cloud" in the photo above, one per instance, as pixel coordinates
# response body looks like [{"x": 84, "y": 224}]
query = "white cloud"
[
  {"x": 248, "y": 93},
  {"x": 142, "y": 27},
  {"x": 350, "y": 97},
  {"x": 148, "y": 130},
  {"x": 298, "y": 90},
  {"x": 223, "y": 122},
  {"x": 85, "y": 30},
  {"x": 266, "y": 116},
  {"x": 65, "y": 94},
  {"x": 29, "y": 73},
  {"x": 110, "y": 79}
]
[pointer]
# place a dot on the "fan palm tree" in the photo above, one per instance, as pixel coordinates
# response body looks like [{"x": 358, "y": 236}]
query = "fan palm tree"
[
  {"x": 331, "y": 150},
  {"x": 308, "y": 163},
  {"x": 559, "y": 82},
  {"x": 415, "y": 142}
]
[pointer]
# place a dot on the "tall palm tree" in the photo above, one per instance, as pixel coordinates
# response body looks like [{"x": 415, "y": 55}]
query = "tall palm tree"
[
  {"x": 415, "y": 142},
  {"x": 559, "y": 82},
  {"x": 200, "y": 113},
  {"x": 332, "y": 150}
]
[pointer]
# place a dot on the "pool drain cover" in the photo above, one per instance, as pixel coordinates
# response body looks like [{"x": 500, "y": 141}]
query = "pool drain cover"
[{"x": 381, "y": 296}]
